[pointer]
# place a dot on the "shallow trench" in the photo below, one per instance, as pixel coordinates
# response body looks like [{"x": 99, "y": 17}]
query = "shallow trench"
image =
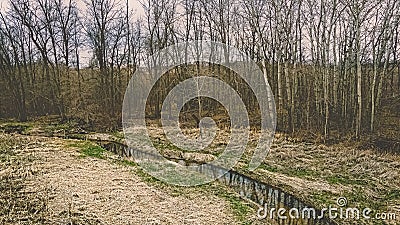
[{"x": 258, "y": 192}]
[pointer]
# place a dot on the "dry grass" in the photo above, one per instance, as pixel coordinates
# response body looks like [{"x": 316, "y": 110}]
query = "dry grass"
[
  {"x": 320, "y": 174},
  {"x": 53, "y": 184},
  {"x": 317, "y": 173},
  {"x": 17, "y": 205}
]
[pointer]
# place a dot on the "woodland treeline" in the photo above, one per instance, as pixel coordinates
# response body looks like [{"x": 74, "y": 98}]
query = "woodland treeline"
[{"x": 330, "y": 63}]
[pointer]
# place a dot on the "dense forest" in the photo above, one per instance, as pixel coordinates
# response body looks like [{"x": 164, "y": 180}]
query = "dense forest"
[{"x": 332, "y": 64}]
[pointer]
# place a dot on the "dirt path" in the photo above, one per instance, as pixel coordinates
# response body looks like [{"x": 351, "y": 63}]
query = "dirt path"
[{"x": 87, "y": 190}]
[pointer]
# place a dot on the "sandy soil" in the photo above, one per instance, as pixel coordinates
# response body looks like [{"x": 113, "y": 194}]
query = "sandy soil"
[{"x": 86, "y": 190}]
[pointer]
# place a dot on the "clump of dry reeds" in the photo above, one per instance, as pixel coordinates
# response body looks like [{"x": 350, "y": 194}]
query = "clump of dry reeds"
[{"x": 16, "y": 204}]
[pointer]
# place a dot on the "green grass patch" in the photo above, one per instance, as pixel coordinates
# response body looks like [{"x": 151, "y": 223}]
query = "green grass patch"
[
  {"x": 128, "y": 163},
  {"x": 302, "y": 172},
  {"x": 393, "y": 195},
  {"x": 272, "y": 169},
  {"x": 118, "y": 135},
  {"x": 16, "y": 127},
  {"x": 89, "y": 149},
  {"x": 358, "y": 198},
  {"x": 94, "y": 151},
  {"x": 240, "y": 209},
  {"x": 324, "y": 198},
  {"x": 296, "y": 172},
  {"x": 344, "y": 179},
  {"x": 166, "y": 145},
  {"x": 57, "y": 127}
]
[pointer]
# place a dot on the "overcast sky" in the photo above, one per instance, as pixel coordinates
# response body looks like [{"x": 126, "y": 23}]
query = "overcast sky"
[{"x": 133, "y": 4}]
